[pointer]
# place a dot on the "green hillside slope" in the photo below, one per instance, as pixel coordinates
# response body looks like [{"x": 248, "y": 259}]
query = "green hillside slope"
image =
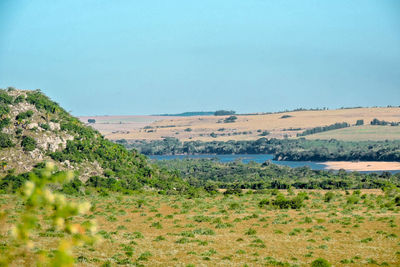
[{"x": 36, "y": 129}]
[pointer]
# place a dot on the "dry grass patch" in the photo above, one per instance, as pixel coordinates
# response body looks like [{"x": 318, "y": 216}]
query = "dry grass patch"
[
  {"x": 156, "y": 230},
  {"x": 251, "y": 127}
]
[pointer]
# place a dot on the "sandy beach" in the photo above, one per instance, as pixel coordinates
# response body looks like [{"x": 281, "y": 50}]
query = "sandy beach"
[{"x": 363, "y": 165}]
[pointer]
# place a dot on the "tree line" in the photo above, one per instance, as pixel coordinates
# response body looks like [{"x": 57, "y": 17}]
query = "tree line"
[
  {"x": 210, "y": 173},
  {"x": 338, "y": 125},
  {"x": 283, "y": 149}
]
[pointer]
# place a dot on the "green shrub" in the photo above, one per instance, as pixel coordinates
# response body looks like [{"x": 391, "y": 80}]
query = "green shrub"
[
  {"x": 203, "y": 231},
  {"x": 4, "y": 109},
  {"x": 73, "y": 187},
  {"x": 397, "y": 200},
  {"x": 5, "y": 98},
  {"x": 353, "y": 199},
  {"x": 233, "y": 191},
  {"x": 281, "y": 202},
  {"x": 11, "y": 183},
  {"x": 297, "y": 202},
  {"x": 24, "y": 115},
  {"x": 250, "y": 231},
  {"x": 28, "y": 143},
  {"x": 320, "y": 262},
  {"x": 45, "y": 126},
  {"x": 328, "y": 196},
  {"x": 5, "y": 140},
  {"x": 264, "y": 202},
  {"x": 19, "y": 99},
  {"x": 4, "y": 123}
]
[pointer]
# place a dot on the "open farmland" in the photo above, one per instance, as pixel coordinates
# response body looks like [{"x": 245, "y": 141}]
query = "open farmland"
[
  {"x": 346, "y": 228},
  {"x": 114, "y": 125},
  {"x": 360, "y": 133},
  {"x": 251, "y": 127}
]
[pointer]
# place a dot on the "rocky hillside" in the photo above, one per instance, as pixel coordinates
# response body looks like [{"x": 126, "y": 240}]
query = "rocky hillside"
[{"x": 34, "y": 129}]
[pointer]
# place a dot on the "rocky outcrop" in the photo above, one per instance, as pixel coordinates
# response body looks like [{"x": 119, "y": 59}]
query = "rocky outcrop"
[{"x": 45, "y": 129}]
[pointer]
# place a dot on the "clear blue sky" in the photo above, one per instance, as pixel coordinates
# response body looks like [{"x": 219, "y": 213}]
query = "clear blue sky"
[{"x": 166, "y": 56}]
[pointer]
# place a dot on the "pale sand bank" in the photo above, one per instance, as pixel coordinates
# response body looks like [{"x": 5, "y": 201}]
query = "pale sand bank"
[{"x": 362, "y": 165}]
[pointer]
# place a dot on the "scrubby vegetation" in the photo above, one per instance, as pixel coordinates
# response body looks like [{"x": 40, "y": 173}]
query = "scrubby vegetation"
[
  {"x": 152, "y": 229},
  {"x": 207, "y": 172}
]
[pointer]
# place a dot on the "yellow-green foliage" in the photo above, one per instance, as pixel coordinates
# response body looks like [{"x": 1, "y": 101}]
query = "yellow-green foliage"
[{"x": 37, "y": 197}]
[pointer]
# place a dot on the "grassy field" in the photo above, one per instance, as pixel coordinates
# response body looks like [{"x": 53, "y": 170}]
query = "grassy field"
[
  {"x": 112, "y": 125},
  {"x": 250, "y": 127},
  {"x": 360, "y": 133},
  {"x": 154, "y": 230}
]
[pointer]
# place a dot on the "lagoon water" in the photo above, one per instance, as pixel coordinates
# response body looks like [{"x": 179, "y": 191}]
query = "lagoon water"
[{"x": 246, "y": 158}]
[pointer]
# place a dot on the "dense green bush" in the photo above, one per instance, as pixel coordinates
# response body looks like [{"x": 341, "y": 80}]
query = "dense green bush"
[
  {"x": 5, "y": 98},
  {"x": 24, "y": 115},
  {"x": 19, "y": 99},
  {"x": 28, "y": 143},
  {"x": 320, "y": 262},
  {"x": 281, "y": 202},
  {"x": 353, "y": 199},
  {"x": 4, "y": 109},
  {"x": 264, "y": 202},
  {"x": 397, "y": 200},
  {"x": 284, "y": 203},
  {"x": 5, "y": 140},
  {"x": 45, "y": 126},
  {"x": 233, "y": 191},
  {"x": 4, "y": 123},
  {"x": 73, "y": 187},
  {"x": 328, "y": 196},
  {"x": 11, "y": 183}
]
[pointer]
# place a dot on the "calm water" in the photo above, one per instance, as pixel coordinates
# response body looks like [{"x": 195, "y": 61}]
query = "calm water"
[{"x": 246, "y": 158}]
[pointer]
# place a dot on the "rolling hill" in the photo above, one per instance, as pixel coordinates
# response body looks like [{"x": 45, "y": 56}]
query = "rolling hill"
[
  {"x": 35, "y": 129},
  {"x": 252, "y": 127},
  {"x": 360, "y": 133}
]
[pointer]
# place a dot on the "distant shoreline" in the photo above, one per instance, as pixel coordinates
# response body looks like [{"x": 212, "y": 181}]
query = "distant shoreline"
[{"x": 362, "y": 165}]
